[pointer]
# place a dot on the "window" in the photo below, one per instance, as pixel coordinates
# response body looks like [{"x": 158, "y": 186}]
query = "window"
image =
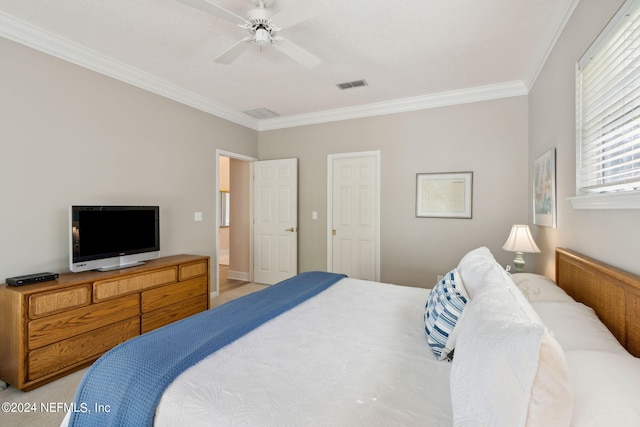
[{"x": 608, "y": 131}]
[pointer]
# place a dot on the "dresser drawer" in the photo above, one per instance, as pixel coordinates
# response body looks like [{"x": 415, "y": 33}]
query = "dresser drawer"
[
  {"x": 50, "y": 329},
  {"x": 57, "y": 327},
  {"x": 200, "y": 268},
  {"x": 106, "y": 289},
  {"x": 166, "y": 315},
  {"x": 46, "y": 303},
  {"x": 79, "y": 349},
  {"x": 163, "y": 296}
]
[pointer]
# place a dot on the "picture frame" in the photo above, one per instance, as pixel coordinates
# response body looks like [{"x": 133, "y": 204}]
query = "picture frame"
[
  {"x": 544, "y": 189},
  {"x": 444, "y": 195}
]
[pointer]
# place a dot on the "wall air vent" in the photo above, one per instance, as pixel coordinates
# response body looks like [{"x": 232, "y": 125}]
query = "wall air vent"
[
  {"x": 351, "y": 85},
  {"x": 262, "y": 113}
]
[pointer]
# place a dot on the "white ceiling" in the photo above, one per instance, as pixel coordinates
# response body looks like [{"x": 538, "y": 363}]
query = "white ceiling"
[{"x": 412, "y": 53}]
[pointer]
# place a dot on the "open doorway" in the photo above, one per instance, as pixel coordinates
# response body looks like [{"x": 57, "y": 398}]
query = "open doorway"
[{"x": 233, "y": 242}]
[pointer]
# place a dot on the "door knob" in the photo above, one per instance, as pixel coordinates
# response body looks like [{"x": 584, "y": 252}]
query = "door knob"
[{"x": 290, "y": 229}]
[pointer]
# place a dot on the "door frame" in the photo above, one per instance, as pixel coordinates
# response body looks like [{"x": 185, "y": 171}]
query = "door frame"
[
  {"x": 250, "y": 159},
  {"x": 330, "y": 158}
]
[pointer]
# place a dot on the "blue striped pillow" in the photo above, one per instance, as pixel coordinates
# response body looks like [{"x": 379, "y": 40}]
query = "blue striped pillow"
[{"x": 443, "y": 309}]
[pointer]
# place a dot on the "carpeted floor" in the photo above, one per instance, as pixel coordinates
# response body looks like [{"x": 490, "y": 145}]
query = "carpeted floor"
[
  {"x": 46, "y": 406},
  {"x": 236, "y": 293}
]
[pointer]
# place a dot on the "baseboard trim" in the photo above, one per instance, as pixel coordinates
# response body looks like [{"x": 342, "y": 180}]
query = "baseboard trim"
[{"x": 238, "y": 275}]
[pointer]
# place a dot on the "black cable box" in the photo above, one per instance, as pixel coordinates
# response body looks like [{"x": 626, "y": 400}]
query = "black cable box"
[{"x": 31, "y": 278}]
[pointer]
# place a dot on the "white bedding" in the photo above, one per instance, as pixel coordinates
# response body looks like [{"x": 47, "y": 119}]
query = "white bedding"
[
  {"x": 355, "y": 355},
  {"x": 508, "y": 371}
]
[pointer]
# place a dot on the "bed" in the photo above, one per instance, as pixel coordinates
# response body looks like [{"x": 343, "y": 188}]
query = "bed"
[{"x": 482, "y": 348}]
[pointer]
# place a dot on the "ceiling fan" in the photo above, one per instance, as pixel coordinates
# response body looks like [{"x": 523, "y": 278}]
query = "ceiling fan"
[{"x": 263, "y": 27}]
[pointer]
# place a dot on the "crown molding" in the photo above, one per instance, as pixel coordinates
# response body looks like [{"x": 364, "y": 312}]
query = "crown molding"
[
  {"x": 442, "y": 99},
  {"x": 46, "y": 42},
  {"x": 560, "y": 18},
  {"x": 34, "y": 37}
]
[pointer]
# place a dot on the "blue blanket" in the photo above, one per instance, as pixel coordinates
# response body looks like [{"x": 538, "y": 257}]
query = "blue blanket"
[{"x": 124, "y": 386}]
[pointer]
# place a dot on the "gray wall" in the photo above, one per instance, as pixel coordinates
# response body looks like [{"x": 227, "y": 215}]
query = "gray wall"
[
  {"x": 240, "y": 238},
  {"x": 71, "y": 136},
  {"x": 612, "y": 236},
  {"x": 488, "y": 138}
]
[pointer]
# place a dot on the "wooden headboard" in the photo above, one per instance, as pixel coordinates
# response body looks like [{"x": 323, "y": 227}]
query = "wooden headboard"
[{"x": 613, "y": 293}]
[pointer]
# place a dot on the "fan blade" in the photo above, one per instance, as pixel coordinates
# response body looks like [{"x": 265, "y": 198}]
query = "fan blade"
[
  {"x": 214, "y": 9},
  {"x": 297, "y": 53},
  {"x": 234, "y": 51},
  {"x": 299, "y": 11}
]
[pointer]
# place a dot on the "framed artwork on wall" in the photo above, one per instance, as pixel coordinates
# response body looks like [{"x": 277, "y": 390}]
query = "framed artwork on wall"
[
  {"x": 444, "y": 195},
  {"x": 544, "y": 189}
]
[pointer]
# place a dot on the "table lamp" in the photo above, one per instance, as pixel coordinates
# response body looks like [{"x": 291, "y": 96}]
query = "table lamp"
[{"x": 520, "y": 241}]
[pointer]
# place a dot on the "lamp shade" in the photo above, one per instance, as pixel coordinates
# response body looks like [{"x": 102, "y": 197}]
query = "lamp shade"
[{"x": 520, "y": 240}]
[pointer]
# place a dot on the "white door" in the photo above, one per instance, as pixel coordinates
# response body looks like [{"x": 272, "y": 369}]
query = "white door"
[
  {"x": 275, "y": 230},
  {"x": 354, "y": 215}
]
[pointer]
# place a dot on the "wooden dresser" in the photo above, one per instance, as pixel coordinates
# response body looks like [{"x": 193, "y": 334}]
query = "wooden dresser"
[{"x": 50, "y": 329}]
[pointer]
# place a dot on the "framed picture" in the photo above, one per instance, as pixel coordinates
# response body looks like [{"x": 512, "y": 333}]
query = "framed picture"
[
  {"x": 544, "y": 189},
  {"x": 444, "y": 195}
]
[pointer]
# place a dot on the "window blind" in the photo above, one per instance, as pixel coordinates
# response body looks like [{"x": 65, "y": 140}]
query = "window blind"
[{"x": 609, "y": 107}]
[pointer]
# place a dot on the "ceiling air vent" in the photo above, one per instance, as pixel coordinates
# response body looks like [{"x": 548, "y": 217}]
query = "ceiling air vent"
[
  {"x": 351, "y": 85},
  {"x": 262, "y": 113}
]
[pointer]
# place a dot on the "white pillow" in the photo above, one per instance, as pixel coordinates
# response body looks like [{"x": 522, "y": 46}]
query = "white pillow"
[
  {"x": 607, "y": 388},
  {"x": 444, "y": 306},
  {"x": 577, "y": 327},
  {"x": 473, "y": 266},
  {"x": 508, "y": 371},
  {"x": 539, "y": 288}
]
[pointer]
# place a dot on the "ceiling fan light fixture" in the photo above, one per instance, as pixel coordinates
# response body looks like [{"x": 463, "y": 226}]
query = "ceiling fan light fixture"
[{"x": 262, "y": 37}]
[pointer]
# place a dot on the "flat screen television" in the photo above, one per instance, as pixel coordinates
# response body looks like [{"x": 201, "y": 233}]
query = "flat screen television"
[{"x": 113, "y": 237}]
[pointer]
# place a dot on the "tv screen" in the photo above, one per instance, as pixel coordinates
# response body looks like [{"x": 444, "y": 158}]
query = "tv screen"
[{"x": 112, "y": 237}]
